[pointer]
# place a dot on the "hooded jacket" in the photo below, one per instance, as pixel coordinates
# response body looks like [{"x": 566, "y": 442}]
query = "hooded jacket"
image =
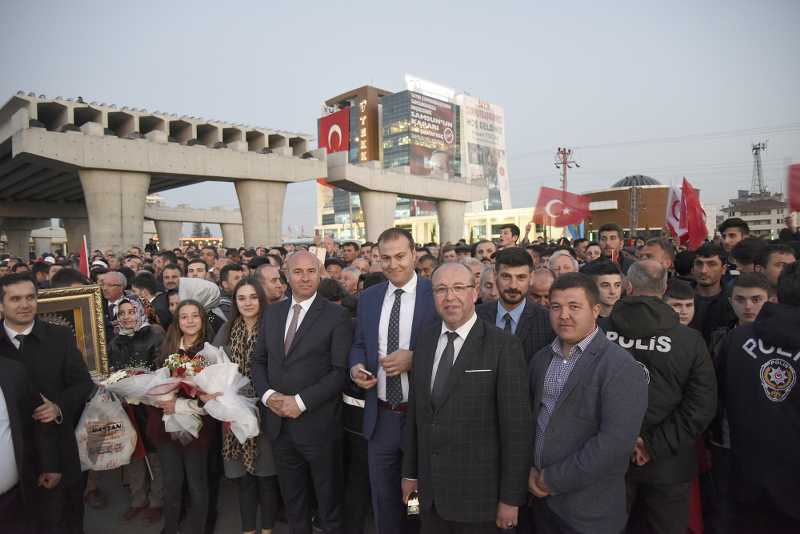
[
  {"x": 682, "y": 385},
  {"x": 758, "y": 366}
]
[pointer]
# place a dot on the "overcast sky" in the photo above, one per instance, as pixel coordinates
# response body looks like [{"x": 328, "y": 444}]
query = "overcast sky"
[{"x": 635, "y": 87}]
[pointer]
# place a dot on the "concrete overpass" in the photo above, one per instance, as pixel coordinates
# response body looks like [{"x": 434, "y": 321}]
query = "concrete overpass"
[
  {"x": 20, "y": 219},
  {"x": 110, "y": 158}
]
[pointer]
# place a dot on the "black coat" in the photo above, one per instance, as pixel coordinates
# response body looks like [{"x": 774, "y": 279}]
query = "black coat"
[
  {"x": 138, "y": 350},
  {"x": 475, "y": 449},
  {"x": 682, "y": 385},
  {"x": 161, "y": 306},
  {"x": 57, "y": 370},
  {"x": 35, "y": 444},
  {"x": 534, "y": 329},
  {"x": 315, "y": 368}
]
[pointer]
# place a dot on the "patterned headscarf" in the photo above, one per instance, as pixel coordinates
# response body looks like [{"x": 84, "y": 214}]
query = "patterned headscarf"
[{"x": 141, "y": 316}]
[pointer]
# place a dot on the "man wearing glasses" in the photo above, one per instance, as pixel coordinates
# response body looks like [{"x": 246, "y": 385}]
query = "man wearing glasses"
[{"x": 469, "y": 418}]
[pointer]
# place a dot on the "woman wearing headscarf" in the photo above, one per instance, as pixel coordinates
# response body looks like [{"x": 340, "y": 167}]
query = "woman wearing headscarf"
[
  {"x": 251, "y": 464},
  {"x": 206, "y": 293},
  {"x": 137, "y": 344}
]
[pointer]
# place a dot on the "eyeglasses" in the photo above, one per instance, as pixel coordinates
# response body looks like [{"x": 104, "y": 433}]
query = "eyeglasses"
[{"x": 441, "y": 291}]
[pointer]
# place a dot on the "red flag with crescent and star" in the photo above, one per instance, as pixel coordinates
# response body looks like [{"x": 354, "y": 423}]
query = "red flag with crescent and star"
[
  {"x": 560, "y": 208},
  {"x": 674, "y": 224},
  {"x": 334, "y": 131},
  {"x": 693, "y": 215}
]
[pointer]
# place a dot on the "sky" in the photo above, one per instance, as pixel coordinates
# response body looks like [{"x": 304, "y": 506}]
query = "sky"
[{"x": 666, "y": 89}]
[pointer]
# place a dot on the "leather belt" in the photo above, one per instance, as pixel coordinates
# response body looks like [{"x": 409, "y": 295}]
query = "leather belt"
[{"x": 386, "y": 406}]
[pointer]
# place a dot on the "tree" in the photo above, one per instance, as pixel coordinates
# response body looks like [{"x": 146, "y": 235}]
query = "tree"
[
  {"x": 206, "y": 232},
  {"x": 197, "y": 229}
]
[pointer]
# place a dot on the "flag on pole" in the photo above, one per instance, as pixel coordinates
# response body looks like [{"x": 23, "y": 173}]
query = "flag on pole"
[
  {"x": 692, "y": 216},
  {"x": 673, "y": 216},
  {"x": 577, "y": 230},
  {"x": 793, "y": 187},
  {"x": 560, "y": 208},
  {"x": 83, "y": 259}
]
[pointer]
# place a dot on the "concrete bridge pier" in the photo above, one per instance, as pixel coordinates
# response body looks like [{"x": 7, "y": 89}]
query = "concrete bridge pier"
[
  {"x": 261, "y": 204},
  {"x": 232, "y": 235},
  {"x": 169, "y": 234},
  {"x": 378, "y": 209},
  {"x": 115, "y": 203},
  {"x": 450, "y": 214},
  {"x": 75, "y": 230},
  {"x": 18, "y": 235}
]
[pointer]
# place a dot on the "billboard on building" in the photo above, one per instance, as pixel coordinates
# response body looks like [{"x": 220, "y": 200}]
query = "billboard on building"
[
  {"x": 334, "y": 131},
  {"x": 433, "y": 136},
  {"x": 483, "y": 148}
]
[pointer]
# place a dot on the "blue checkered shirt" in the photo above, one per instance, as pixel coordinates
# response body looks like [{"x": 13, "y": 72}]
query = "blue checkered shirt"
[{"x": 554, "y": 381}]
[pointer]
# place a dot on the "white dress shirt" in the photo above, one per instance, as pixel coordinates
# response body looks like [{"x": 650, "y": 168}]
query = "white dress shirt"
[
  {"x": 12, "y": 334},
  {"x": 407, "y": 300},
  {"x": 304, "y": 306},
  {"x": 463, "y": 332},
  {"x": 9, "y": 475}
]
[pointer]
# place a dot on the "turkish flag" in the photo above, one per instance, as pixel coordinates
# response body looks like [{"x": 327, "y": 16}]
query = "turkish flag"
[
  {"x": 83, "y": 259},
  {"x": 692, "y": 216},
  {"x": 560, "y": 208},
  {"x": 673, "y": 216},
  {"x": 794, "y": 187},
  {"x": 334, "y": 131}
]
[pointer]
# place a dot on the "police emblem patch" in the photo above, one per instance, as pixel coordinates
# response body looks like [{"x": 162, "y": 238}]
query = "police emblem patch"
[
  {"x": 646, "y": 371},
  {"x": 778, "y": 378}
]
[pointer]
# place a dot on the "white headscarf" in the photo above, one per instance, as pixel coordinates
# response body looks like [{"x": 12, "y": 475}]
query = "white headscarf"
[{"x": 205, "y": 292}]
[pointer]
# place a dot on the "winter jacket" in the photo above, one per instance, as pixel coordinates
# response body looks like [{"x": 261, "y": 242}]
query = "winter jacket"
[
  {"x": 138, "y": 350},
  {"x": 682, "y": 385},
  {"x": 757, "y": 368}
]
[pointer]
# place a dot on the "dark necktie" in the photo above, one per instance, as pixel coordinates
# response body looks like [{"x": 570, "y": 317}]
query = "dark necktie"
[
  {"x": 507, "y": 319},
  {"x": 443, "y": 371},
  {"x": 21, "y": 339},
  {"x": 394, "y": 385},
  {"x": 292, "y": 330}
]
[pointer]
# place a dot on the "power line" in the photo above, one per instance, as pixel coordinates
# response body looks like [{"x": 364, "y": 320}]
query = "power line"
[{"x": 761, "y": 130}]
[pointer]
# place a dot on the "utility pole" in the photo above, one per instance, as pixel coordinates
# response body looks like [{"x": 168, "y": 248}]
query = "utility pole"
[
  {"x": 758, "y": 187},
  {"x": 564, "y": 161}
]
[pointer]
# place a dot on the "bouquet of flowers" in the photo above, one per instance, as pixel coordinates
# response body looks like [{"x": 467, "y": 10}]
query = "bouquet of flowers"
[
  {"x": 238, "y": 411},
  {"x": 133, "y": 384}
]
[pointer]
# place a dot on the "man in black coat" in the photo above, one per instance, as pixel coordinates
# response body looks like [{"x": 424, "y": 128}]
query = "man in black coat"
[
  {"x": 681, "y": 405},
  {"x": 469, "y": 423},
  {"x": 514, "y": 312},
  {"x": 58, "y": 373},
  {"x": 299, "y": 369},
  {"x": 28, "y": 449}
]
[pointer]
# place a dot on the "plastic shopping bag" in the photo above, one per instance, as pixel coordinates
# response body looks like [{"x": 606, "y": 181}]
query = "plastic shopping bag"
[{"x": 106, "y": 438}]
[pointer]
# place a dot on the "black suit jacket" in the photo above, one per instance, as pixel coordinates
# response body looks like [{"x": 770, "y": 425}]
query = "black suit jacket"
[
  {"x": 314, "y": 368},
  {"x": 35, "y": 444},
  {"x": 533, "y": 330},
  {"x": 475, "y": 449},
  {"x": 161, "y": 305},
  {"x": 56, "y": 369}
]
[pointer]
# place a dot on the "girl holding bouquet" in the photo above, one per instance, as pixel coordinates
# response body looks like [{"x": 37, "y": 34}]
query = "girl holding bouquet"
[
  {"x": 251, "y": 463},
  {"x": 180, "y": 458}
]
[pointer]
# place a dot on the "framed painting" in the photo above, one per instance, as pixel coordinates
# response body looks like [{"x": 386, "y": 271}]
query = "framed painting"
[{"x": 81, "y": 310}]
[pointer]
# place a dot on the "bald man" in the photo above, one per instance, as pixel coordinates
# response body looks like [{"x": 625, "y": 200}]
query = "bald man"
[{"x": 299, "y": 368}]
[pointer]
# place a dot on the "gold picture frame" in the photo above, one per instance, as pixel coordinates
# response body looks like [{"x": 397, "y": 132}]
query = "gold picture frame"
[{"x": 81, "y": 310}]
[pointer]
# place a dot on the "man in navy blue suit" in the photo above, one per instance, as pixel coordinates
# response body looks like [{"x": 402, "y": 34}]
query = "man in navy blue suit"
[{"x": 390, "y": 316}]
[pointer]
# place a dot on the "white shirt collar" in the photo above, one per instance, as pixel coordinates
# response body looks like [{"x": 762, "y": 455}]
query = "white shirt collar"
[
  {"x": 12, "y": 334},
  {"x": 306, "y": 304},
  {"x": 410, "y": 287},
  {"x": 462, "y": 330}
]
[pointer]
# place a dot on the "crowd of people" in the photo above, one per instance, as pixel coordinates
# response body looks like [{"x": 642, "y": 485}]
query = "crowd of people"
[{"x": 618, "y": 385}]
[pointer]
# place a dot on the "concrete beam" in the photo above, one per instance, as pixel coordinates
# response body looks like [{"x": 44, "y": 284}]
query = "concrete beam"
[
  {"x": 169, "y": 234},
  {"x": 171, "y": 159},
  {"x": 373, "y": 177},
  {"x": 451, "y": 220},
  {"x": 378, "y": 209},
  {"x": 262, "y": 211},
  {"x": 181, "y": 214},
  {"x": 115, "y": 204},
  {"x": 232, "y": 235}
]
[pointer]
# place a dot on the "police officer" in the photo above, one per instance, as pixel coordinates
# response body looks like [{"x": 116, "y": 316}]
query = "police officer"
[{"x": 682, "y": 401}]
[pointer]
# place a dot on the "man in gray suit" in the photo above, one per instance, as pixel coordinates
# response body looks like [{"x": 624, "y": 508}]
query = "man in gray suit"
[{"x": 589, "y": 399}]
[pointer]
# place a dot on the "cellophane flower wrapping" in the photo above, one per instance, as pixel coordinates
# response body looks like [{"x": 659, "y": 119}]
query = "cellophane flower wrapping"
[
  {"x": 230, "y": 407},
  {"x": 134, "y": 385}
]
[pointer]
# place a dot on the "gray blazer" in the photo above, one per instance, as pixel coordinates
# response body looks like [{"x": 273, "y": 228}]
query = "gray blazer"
[{"x": 591, "y": 435}]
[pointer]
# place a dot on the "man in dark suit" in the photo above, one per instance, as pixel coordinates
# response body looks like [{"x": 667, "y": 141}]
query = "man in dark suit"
[
  {"x": 469, "y": 421},
  {"x": 589, "y": 400},
  {"x": 299, "y": 369},
  {"x": 390, "y": 316},
  {"x": 28, "y": 450},
  {"x": 514, "y": 312},
  {"x": 56, "y": 368}
]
